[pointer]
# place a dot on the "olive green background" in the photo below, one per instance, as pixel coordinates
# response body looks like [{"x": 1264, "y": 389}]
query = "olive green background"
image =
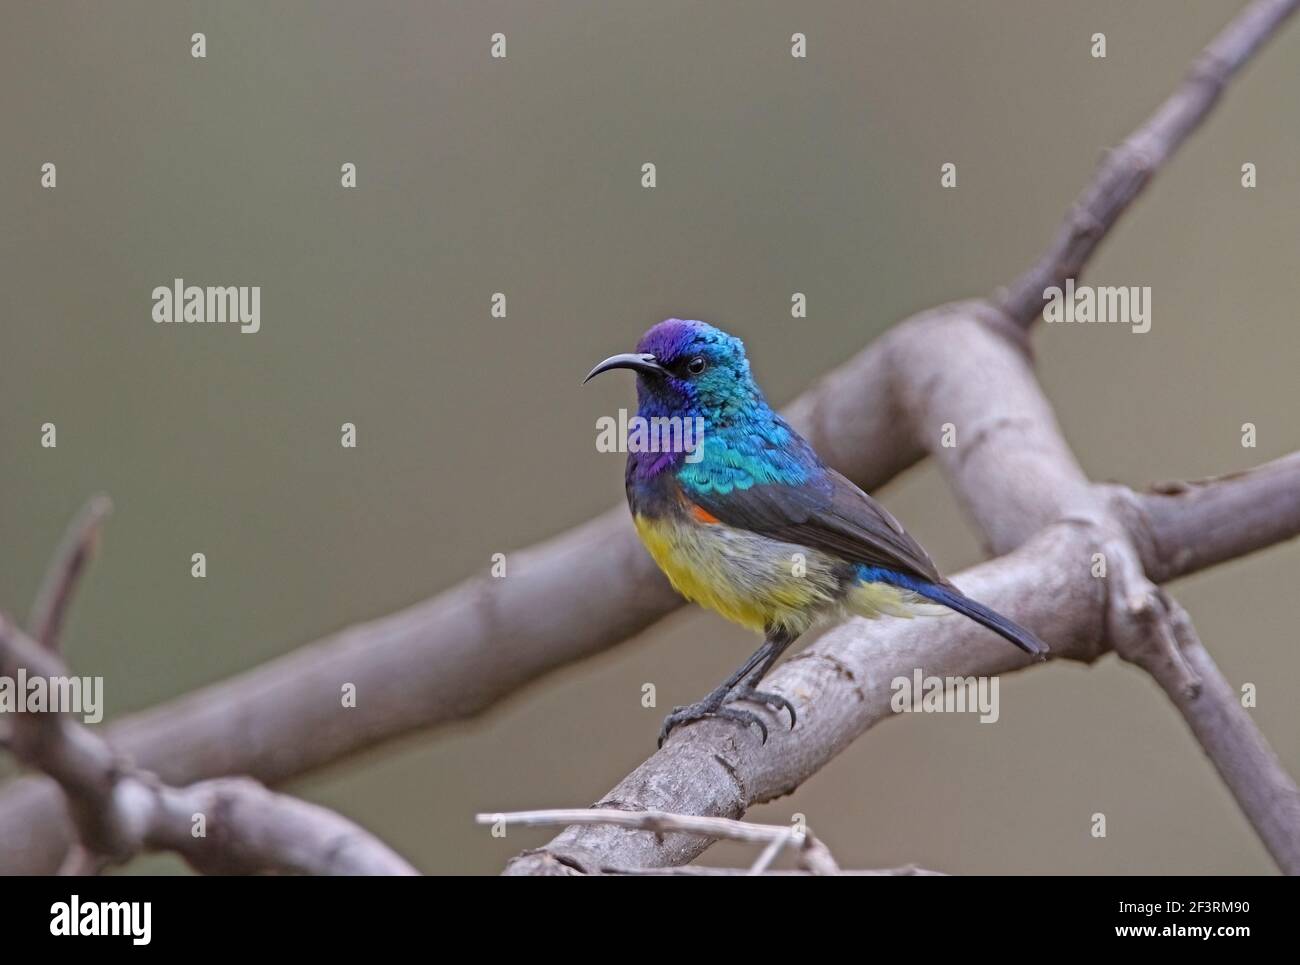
[{"x": 775, "y": 175}]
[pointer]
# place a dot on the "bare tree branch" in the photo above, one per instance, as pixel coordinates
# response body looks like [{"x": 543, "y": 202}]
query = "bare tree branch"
[
  {"x": 226, "y": 825},
  {"x": 1253, "y": 508},
  {"x": 70, "y": 560},
  {"x": 814, "y": 857},
  {"x": 1013, "y": 472},
  {"x": 1244, "y": 760},
  {"x": 701, "y": 871},
  {"x": 1129, "y": 167}
]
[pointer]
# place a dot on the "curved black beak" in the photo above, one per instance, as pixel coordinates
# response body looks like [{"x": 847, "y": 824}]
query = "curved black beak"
[{"x": 644, "y": 364}]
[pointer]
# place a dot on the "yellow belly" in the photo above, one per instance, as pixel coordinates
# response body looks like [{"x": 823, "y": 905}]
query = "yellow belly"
[{"x": 749, "y": 579}]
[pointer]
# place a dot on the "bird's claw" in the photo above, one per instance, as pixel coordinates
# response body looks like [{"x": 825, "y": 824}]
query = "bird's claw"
[
  {"x": 774, "y": 702},
  {"x": 702, "y": 710}
]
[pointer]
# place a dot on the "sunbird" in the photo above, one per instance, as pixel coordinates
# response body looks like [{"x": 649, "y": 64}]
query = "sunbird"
[{"x": 756, "y": 526}]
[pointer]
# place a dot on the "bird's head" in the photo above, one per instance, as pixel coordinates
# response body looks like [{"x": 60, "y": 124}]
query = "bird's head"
[{"x": 689, "y": 368}]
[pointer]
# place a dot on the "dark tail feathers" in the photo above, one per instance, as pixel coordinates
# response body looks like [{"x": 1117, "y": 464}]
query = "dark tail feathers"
[{"x": 952, "y": 598}]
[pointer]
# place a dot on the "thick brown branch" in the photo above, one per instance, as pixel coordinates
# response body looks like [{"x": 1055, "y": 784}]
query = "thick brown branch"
[{"x": 1253, "y": 509}]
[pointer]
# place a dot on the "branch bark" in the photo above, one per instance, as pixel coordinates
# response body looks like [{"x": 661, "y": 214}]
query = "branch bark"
[{"x": 120, "y": 811}]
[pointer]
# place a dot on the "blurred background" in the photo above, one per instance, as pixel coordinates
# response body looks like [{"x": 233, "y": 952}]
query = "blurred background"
[{"x": 522, "y": 176}]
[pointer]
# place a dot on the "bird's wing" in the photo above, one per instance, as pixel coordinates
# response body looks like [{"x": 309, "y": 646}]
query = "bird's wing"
[{"x": 829, "y": 514}]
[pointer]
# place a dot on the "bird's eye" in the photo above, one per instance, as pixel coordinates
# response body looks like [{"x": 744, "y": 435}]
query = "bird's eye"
[{"x": 696, "y": 365}]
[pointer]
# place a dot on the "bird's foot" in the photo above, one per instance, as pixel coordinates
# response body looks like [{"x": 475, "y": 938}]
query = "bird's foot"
[
  {"x": 774, "y": 702},
  {"x": 709, "y": 708}
]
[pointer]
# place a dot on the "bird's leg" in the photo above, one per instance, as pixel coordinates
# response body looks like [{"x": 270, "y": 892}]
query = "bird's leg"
[
  {"x": 778, "y": 640},
  {"x": 751, "y": 671}
]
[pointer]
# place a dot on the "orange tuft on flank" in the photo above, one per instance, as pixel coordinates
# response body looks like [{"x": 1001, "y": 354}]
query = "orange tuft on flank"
[{"x": 703, "y": 515}]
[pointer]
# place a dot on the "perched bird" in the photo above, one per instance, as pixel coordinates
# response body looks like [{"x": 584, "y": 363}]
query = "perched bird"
[{"x": 752, "y": 524}]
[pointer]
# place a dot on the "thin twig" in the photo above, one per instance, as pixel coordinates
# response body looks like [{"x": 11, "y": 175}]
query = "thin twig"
[
  {"x": 814, "y": 857},
  {"x": 1127, "y": 169},
  {"x": 701, "y": 871},
  {"x": 45, "y": 622},
  {"x": 656, "y": 821},
  {"x": 769, "y": 853}
]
